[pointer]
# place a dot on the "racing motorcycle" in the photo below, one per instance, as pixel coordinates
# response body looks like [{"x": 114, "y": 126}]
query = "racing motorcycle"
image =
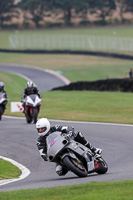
[
  {"x": 32, "y": 108},
  {"x": 3, "y": 101},
  {"x": 74, "y": 156}
]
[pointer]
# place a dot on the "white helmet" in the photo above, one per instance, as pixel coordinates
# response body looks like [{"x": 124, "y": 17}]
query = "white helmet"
[
  {"x": 30, "y": 84},
  {"x": 43, "y": 126}
]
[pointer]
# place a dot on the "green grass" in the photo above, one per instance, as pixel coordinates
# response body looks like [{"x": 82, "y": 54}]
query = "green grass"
[
  {"x": 8, "y": 170},
  {"x": 115, "y": 107},
  {"x": 107, "y": 31},
  {"x": 110, "y": 107},
  {"x": 121, "y": 190},
  {"x": 14, "y": 85},
  {"x": 74, "y": 67}
]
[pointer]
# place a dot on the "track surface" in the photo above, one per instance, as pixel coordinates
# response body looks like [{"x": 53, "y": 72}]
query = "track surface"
[
  {"x": 18, "y": 142},
  {"x": 42, "y": 78}
]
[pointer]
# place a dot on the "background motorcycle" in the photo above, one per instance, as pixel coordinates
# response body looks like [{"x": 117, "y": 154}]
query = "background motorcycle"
[
  {"x": 32, "y": 108},
  {"x": 3, "y": 102},
  {"x": 74, "y": 156}
]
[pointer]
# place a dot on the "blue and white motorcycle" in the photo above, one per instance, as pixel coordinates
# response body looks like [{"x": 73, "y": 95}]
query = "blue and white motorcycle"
[{"x": 3, "y": 102}]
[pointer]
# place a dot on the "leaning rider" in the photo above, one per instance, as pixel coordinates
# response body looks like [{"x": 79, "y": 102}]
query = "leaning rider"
[
  {"x": 44, "y": 129},
  {"x": 3, "y": 91}
]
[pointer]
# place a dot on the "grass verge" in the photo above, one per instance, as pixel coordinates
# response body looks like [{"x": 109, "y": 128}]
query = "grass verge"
[
  {"x": 8, "y": 170},
  {"x": 112, "y": 107},
  {"x": 121, "y": 190}
]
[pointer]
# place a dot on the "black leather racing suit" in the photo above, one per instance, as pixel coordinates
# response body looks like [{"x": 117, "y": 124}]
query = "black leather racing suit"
[
  {"x": 28, "y": 91},
  {"x": 77, "y": 136}
]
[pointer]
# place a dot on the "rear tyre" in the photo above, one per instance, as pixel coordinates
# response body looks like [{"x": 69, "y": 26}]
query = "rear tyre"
[{"x": 75, "y": 166}]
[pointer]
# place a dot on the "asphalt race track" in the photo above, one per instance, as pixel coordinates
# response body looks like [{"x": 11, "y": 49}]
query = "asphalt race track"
[
  {"x": 18, "y": 142},
  {"x": 42, "y": 78}
]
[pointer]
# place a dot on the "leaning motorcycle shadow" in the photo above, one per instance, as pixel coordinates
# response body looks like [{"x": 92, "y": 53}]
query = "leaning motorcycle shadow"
[
  {"x": 69, "y": 177},
  {"x": 77, "y": 177}
]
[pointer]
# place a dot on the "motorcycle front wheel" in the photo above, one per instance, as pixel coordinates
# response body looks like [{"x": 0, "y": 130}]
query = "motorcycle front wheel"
[
  {"x": 28, "y": 119},
  {"x": 35, "y": 114},
  {"x": 103, "y": 167},
  {"x": 1, "y": 112},
  {"x": 75, "y": 166}
]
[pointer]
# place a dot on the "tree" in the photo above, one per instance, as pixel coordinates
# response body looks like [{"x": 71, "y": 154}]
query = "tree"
[
  {"x": 7, "y": 11},
  {"x": 102, "y": 8},
  {"x": 129, "y": 5},
  {"x": 69, "y": 6},
  {"x": 122, "y": 5},
  {"x": 36, "y": 8}
]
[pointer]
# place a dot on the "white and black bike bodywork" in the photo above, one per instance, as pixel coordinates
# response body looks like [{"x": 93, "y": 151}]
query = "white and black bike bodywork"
[
  {"x": 32, "y": 108},
  {"x": 74, "y": 156},
  {"x": 3, "y": 101}
]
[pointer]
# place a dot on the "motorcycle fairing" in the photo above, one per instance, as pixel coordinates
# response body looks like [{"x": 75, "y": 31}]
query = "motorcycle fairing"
[
  {"x": 33, "y": 100},
  {"x": 2, "y": 98}
]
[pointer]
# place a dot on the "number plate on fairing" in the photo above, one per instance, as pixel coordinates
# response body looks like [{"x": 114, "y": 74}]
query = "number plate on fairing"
[{"x": 90, "y": 166}]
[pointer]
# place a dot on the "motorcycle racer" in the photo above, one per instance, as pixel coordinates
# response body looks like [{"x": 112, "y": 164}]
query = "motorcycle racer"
[
  {"x": 30, "y": 89},
  {"x": 44, "y": 129},
  {"x": 2, "y": 90}
]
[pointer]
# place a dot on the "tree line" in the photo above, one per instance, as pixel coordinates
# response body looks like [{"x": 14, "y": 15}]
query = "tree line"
[{"x": 36, "y": 11}]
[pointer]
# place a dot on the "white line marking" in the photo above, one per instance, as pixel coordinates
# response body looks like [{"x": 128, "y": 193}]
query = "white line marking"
[
  {"x": 76, "y": 122},
  {"x": 97, "y": 123},
  {"x": 25, "y": 171}
]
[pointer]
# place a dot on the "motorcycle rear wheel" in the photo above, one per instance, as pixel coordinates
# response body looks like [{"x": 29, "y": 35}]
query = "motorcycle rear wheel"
[{"x": 74, "y": 166}]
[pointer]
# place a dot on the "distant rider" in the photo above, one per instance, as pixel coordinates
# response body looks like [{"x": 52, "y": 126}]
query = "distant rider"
[
  {"x": 30, "y": 89},
  {"x": 44, "y": 129},
  {"x": 2, "y": 90}
]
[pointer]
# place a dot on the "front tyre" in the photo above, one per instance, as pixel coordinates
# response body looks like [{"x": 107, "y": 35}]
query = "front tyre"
[
  {"x": 1, "y": 112},
  {"x": 35, "y": 114},
  {"x": 28, "y": 119},
  {"x": 75, "y": 166},
  {"x": 103, "y": 167}
]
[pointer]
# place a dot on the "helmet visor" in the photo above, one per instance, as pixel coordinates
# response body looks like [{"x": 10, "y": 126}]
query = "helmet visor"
[{"x": 41, "y": 130}]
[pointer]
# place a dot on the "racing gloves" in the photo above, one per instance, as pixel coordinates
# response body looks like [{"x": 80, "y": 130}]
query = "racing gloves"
[{"x": 96, "y": 150}]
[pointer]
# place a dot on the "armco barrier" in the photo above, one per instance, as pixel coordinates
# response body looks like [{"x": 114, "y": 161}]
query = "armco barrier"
[{"x": 98, "y": 53}]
